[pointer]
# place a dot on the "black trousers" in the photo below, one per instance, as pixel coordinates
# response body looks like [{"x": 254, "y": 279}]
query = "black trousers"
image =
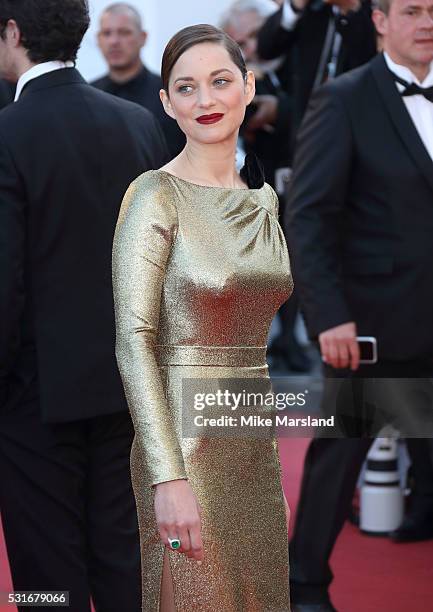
[
  {"x": 331, "y": 471},
  {"x": 68, "y": 510}
]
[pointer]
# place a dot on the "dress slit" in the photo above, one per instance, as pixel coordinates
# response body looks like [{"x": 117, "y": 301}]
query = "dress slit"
[{"x": 166, "y": 567}]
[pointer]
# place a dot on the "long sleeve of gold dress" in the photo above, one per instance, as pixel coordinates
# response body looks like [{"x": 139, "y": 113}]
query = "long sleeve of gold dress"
[{"x": 198, "y": 274}]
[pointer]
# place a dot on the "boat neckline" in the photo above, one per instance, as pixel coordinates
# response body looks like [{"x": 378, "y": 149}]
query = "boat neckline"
[{"x": 210, "y": 186}]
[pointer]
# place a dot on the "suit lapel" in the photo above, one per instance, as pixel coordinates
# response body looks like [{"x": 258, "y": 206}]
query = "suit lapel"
[{"x": 401, "y": 118}]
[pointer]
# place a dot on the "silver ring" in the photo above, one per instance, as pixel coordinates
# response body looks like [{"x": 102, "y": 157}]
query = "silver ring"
[{"x": 174, "y": 543}]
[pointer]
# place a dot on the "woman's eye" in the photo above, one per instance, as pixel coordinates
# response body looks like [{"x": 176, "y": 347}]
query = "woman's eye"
[
  {"x": 221, "y": 82},
  {"x": 184, "y": 89}
]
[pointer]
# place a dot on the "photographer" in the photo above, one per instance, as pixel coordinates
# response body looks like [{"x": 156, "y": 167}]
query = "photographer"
[{"x": 323, "y": 40}]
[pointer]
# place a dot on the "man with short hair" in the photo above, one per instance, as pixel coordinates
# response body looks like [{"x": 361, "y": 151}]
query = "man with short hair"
[
  {"x": 121, "y": 38},
  {"x": 360, "y": 221},
  {"x": 68, "y": 152}
]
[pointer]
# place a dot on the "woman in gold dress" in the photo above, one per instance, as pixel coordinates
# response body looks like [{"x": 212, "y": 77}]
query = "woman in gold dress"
[{"x": 200, "y": 267}]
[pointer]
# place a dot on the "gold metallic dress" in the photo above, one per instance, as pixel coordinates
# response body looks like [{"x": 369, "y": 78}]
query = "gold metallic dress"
[{"x": 198, "y": 274}]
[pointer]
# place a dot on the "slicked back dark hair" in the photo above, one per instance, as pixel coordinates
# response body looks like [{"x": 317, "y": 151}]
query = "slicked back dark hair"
[{"x": 50, "y": 29}]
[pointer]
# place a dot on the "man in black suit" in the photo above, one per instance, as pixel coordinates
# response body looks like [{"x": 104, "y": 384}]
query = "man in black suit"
[
  {"x": 68, "y": 153},
  {"x": 121, "y": 38},
  {"x": 323, "y": 40},
  {"x": 359, "y": 222}
]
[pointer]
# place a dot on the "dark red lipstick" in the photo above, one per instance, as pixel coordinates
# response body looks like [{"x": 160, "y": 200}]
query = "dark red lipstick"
[{"x": 208, "y": 119}]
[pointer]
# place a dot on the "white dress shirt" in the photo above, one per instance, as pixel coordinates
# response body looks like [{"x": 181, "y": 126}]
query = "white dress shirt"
[
  {"x": 420, "y": 109},
  {"x": 289, "y": 17},
  {"x": 38, "y": 70}
]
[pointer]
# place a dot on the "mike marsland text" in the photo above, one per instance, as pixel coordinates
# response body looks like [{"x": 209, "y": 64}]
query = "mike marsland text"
[{"x": 278, "y": 420}]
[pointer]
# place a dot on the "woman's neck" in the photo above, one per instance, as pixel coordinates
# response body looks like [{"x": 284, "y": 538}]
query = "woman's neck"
[{"x": 208, "y": 164}]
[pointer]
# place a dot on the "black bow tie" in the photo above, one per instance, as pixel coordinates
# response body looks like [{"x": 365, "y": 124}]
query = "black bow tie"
[{"x": 412, "y": 89}]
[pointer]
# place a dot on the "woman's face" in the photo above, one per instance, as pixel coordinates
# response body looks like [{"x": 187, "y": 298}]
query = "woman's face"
[{"x": 207, "y": 93}]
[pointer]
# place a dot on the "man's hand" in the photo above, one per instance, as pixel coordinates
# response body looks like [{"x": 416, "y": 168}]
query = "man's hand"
[
  {"x": 345, "y": 6},
  {"x": 339, "y": 346}
]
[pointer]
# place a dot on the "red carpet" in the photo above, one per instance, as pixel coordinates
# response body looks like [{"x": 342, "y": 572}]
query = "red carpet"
[
  {"x": 371, "y": 574},
  {"x": 5, "y": 577}
]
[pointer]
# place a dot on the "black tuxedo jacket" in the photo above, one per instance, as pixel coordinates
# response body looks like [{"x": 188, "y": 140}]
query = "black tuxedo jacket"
[
  {"x": 144, "y": 90},
  {"x": 7, "y": 93},
  {"x": 305, "y": 42},
  {"x": 67, "y": 154},
  {"x": 360, "y": 215}
]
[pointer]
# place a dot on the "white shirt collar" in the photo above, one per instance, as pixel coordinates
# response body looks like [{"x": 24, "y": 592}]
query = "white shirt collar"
[
  {"x": 38, "y": 70},
  {"x": 404, "y": 73}
]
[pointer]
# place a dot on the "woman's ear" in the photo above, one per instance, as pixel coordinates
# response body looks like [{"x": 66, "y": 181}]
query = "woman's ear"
[
  {"x": 250, "y": 86},
  {"x": 166, "y": 103}
]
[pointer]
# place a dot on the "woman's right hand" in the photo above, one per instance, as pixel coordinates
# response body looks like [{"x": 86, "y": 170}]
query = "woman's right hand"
[{"x": 178, "y": 515}]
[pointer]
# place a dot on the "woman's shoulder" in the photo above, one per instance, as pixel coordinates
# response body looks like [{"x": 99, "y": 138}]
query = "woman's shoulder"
[
  {"x": 153, "y": 180},
  {"x": 155, "y": 187},
  {"x": 269, "y": 196},
  {"x": 150, "y": 193}
]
